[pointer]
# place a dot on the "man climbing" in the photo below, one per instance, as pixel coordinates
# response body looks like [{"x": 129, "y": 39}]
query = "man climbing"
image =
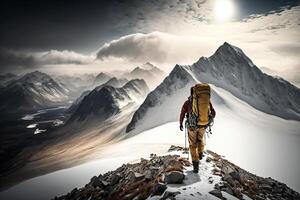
[{"x": 199, "y": 112}]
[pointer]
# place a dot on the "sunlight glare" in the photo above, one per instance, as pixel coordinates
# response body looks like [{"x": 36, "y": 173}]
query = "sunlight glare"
[{"x": 224, "y": 10}]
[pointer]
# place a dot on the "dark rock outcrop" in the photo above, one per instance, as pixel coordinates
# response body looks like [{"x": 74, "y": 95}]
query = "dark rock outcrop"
[{"x": 132, "y": 180}]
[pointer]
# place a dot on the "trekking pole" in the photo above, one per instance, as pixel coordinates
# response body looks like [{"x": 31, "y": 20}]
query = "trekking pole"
[{"x": 185, "y": 148}]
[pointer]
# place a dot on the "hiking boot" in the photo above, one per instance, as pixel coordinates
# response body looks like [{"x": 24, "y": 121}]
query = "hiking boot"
[
  {"x": 201, "y": 156},
  {"x": 196, "y": 166}
]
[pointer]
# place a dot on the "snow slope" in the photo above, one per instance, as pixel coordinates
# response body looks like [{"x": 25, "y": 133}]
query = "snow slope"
[{"x": 258, "y": 142}]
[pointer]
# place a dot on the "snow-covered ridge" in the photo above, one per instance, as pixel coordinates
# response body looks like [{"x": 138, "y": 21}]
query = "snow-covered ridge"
[{"x": 229, "y": 68}]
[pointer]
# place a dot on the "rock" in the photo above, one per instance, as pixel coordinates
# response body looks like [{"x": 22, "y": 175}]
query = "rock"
[
  {"x": 135, "y": 176},
  {"x": 104, "y": 183},
  {"x": 151, "y": 172},
  {"x": 208, "y": 159},
  {"x": 176, "y": 148},
  {"x": 229, "y": 180},
  {"x": 74, "y": 194},
  {"x": 226, "y": 169},
  {"x": 169, "y": 195},
  {"x": 216, "y": 193},
  {"x": 149, "y": 175},
  {"x": 266, "y": 187},
  {"x": 237, "y": 192},
  {"x": 158, "y": 189},
  {"x": 115, "y": 179},
  {"x": 95, "y": 181},
  {"x": 174, "y": 177},
  {"x": 152, "y": 155},
  {"x": 235, "y": 175},
  {"x": 227, "y": 190}
]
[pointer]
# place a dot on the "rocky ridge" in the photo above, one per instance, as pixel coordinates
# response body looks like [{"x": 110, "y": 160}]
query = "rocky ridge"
[{"x": 155, "y": 179}]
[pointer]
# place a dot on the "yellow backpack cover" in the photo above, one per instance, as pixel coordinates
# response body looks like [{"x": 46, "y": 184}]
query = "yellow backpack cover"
[{"x": 200, "y": 103}]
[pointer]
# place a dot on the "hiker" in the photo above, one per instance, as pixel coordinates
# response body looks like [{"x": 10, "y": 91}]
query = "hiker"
[{"x": 200, "y": 113}]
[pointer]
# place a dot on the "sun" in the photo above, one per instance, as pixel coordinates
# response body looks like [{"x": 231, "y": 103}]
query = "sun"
[{"x": 223, "y": 10}]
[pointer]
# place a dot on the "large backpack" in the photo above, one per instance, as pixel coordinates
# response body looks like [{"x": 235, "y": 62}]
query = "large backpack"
[{"x": 201, "y": 104}]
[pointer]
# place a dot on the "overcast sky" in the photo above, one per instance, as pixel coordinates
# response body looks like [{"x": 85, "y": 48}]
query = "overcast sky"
[{"x": 86, "y": 36}]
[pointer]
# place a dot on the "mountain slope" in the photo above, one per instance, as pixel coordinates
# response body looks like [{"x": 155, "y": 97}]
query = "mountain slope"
[
  {"x": 105, "y": 100},
  {"x": 228, "y": 68},
  {"x": 232, "y": 70},
  {"x": 34, "y": 90},
  {"x": 115, "y": 82},
  {"x": 101, "y": 104}
]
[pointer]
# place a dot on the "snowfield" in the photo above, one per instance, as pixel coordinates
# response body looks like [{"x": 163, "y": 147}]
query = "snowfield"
[{"x": 263, "y": 144}]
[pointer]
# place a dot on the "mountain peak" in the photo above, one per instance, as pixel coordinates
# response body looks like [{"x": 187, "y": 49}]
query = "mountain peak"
[
  {"x": 148, "y": 66},
  {"x": 226, "y": 47},
  {"x": 35, "y": 76}
]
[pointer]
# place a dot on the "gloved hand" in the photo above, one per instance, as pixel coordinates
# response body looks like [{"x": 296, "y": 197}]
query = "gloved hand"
[{"x": 181, "y": 127}]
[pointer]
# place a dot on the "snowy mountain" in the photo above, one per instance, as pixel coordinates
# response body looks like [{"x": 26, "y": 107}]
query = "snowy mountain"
[
  {"x": 105, "y": 100},
  {"x": 77, "y": 101},
  {"x": 228, "y": 68},
  {"x": 150, "y": 73},
  {"x": 32, "y": 91},
  {"x": 101, "y": 78}
]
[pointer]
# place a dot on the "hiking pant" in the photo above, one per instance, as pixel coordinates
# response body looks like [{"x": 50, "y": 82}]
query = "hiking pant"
[{"x": 196, "y": 142}]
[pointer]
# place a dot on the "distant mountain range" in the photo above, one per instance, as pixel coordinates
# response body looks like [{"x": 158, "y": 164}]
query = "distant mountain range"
[
  {"x": 228, "y": 68},
  {"x": 150, "y": 73},
  {"x": 32, "y": 91}
]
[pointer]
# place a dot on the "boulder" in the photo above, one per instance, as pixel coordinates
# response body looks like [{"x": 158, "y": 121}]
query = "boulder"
[
  {"x": 135, "y": 176},
  {"x": 174, "y": 177},
  {"x": 115, "y": 178},
  {"x": 151, "y": 173},
  {"x": 158, "y": 189},
  {"x": 96, "y": 182},
  {"x": 235, "y": 175},
  {"x": 216, "y": 193}
]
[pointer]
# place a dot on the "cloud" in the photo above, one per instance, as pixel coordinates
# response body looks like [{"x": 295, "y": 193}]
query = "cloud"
[
  {"x": 156, "y": 47},
  {"x": 23, "y": 59},
  {"x": 270, "y": 40},
  {"x": 288, "y": 49}
]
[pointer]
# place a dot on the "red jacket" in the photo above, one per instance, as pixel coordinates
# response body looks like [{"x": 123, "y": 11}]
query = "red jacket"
[{"x": 187, "y": 108}]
